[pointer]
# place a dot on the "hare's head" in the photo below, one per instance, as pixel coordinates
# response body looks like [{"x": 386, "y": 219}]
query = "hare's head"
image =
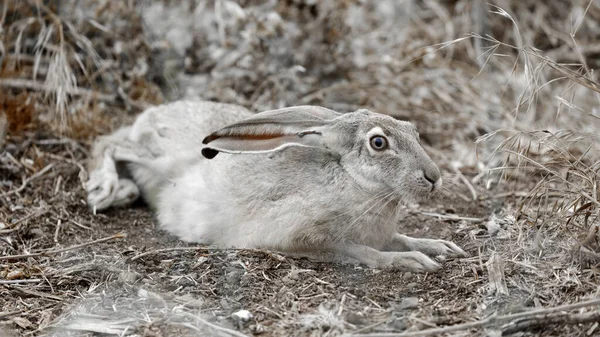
[
  {"x": 385, "y": 154},
  {"x": 382, "y": 154}
]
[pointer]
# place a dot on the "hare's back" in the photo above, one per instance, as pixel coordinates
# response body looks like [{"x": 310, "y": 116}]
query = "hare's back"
[{"x": 182, "y": 125}]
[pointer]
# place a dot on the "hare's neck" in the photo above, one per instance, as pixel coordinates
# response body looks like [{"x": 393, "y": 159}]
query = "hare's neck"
[
  {"x": 370, "y": 206},
  {"x": 372, "y": 221}
]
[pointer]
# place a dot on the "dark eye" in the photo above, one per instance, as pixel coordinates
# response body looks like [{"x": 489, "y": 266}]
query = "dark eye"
[{"x": 379, "y": 143}]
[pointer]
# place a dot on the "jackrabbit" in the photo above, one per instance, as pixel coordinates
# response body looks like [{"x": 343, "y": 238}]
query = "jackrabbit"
[{"x": 302, "y": 180}]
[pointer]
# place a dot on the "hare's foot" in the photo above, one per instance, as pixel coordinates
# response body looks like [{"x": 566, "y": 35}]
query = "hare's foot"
[
  {"x": 127, "y": 193},
  {"x": 103, "y": 183},
  {"x": 404, "y": 261},
  {"x": 431, "y": 247}
]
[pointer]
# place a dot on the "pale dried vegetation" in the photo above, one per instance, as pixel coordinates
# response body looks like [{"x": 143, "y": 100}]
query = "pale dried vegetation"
[{"x": 504, "y": 94}]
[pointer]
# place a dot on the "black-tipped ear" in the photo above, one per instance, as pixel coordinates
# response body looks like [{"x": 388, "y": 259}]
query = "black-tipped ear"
[
  {"x": 209, "y": 153},
  {"x": 271, "y": 131},
  {"x": 209, "y": 138}
]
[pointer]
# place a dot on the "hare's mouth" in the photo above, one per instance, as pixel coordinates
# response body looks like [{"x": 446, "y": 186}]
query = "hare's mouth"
[
  {"x": 422, "y": 192},
  {"x": 436, "y": 186}
]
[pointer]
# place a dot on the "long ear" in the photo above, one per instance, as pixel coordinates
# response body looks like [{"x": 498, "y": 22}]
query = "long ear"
[{"x": 271, "y": 131}]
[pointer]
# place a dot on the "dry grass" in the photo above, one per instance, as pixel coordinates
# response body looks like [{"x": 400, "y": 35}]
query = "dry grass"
[{"x": 505, "y": 97}]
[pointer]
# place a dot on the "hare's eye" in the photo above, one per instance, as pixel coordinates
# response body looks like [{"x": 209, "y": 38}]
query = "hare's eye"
[{"x": 379, "y": 143}]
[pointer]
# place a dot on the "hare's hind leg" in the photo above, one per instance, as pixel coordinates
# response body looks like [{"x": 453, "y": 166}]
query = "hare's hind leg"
[{"x": 108, "y": 184}]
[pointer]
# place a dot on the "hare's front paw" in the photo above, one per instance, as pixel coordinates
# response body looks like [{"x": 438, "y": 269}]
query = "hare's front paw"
[
  {"x": 431, "y": 247},
  {"x": 412, "y": 261}
]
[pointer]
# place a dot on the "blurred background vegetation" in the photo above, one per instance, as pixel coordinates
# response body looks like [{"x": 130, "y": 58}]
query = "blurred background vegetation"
[{"x": 515, "y": 76}]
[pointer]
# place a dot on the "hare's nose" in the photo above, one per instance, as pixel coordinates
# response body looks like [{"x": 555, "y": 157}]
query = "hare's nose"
[
  {"x": 430, "y": 179},
  {"x": 432, "y": 174}
]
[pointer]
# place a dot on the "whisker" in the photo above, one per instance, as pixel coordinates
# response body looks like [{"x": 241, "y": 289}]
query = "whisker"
[
  {"x": 370, "y": 208},
  {"x": 374, "y": 199}
]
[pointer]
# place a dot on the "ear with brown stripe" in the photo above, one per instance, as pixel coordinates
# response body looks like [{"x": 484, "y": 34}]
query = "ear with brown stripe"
[{"x": 271, "y": 131}]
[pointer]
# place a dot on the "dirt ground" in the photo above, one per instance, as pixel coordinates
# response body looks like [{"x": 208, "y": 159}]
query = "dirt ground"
[{"x": 148, "y": 283}]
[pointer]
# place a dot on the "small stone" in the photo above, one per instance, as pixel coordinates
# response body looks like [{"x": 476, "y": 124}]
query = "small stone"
[
  {"x": 492, "y": 226},
  {"x": 409, "y": 303},
  {"x": 356, "y": 318},
  {"x": 201, "y": 260},
  {"x": 242, "y": 315},
  {"x": 22, "y": 322},
  {"x": 293, "y": 275},
  {"x": 241, "y": 318},
  {"x": 186, "y": 282},
  {"x": 259, "y": 329},
  {"x": 35, "y": 232},
  {"x": 15, "y": 274},
  {"x": 493, "y": 333}
]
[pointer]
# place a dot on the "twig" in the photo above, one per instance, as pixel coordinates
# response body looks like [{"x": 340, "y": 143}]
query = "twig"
[
  {"x": 521, "y": 194},
  {"x": 495, "y": 269},
  {"x": 157, "y": 251},
  {"x": 430, "y": 332},
  {"x": 57, "y": 230},
  {"x": 10, "y": 313},
  {"x": 495, "y": 319},
  {"x": 589, "y": 253},
  {"x": 29, "y": 216},
  {"x": 467, "y": 183},
  {"x": 17, "y": 312},
  {"x": 38, "y": 294},
  {"x": 28, "y": 180},
  {"x": 79, "y": 225},
  {"x": 555, "y": 318},
  {"x": 451, "y": 217},
  {"x": 52, "y": 252},
  {"x": 30, "y": 280},
  {"x": 369, "y": 327}
]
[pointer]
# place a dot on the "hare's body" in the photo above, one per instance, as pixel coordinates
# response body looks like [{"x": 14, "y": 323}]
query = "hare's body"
[
  {"x": 260, "y": 212},
  {"x": 295, "y": 182}
]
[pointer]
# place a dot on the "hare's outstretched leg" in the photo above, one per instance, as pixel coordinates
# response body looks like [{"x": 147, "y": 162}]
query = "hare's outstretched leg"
[
  {"x": 406, "y": 261},
  {"x": 431, "y": 247},
  {"x": 105, "y": 187},
  {"x": 110, "y": 186}
]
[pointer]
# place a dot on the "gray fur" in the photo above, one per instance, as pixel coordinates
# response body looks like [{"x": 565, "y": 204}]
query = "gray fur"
[{"x": 334, "y": 196}]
